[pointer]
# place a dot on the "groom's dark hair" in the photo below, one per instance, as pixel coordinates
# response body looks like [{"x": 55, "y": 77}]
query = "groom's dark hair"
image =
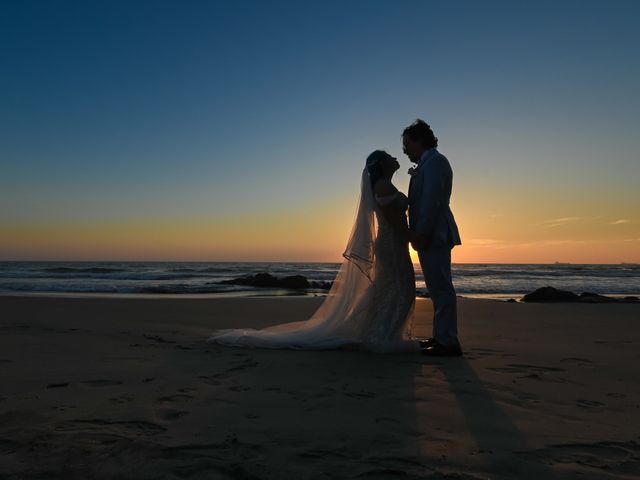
[{"x": 420, "y": 131}]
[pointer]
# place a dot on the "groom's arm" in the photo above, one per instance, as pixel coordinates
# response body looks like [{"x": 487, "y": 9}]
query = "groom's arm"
[{"x": 431, "y": 197}]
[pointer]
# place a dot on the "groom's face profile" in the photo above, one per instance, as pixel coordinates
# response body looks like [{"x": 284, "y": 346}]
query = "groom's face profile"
[{"x": 412, "y": 149}]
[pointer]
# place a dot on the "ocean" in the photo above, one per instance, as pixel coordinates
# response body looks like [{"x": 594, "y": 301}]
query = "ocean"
[{"x": 500, "y": 281}]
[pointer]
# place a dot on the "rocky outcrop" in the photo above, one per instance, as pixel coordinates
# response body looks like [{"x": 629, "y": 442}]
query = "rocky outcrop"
[
  {"x": 266, "y": 280},
  {"x": 550, "y": 294}
]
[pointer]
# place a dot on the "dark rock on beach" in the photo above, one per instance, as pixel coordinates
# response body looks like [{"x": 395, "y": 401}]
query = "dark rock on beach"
[
  {"x": 294, "y": 281},
  {"x": 321, "y": 285},
  {"x": 587, "y": 297},
  {"x": 550, "y": 294},
  {"x": 269, "y": 281},
  {"x": 266, "y": 280}
]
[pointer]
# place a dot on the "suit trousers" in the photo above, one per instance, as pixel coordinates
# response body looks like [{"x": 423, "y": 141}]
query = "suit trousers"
[{"x": 436, "y": 268}]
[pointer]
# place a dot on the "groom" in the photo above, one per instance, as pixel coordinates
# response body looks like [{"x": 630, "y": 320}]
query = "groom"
[{"x": 433, "y": 233}]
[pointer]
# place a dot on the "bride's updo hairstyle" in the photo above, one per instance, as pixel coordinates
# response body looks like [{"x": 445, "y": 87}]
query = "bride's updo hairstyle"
[
  {"x": 374, "y": 165},
  {"x": 420, "y": 131}
]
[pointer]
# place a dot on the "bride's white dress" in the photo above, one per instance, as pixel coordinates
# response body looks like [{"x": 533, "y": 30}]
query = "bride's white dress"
[{"x": 370, "y": 305}]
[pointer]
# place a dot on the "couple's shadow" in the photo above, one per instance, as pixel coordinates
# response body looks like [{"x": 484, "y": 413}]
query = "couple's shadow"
[
  {"x": 502, "y": 448},
  {"x": 366, "y": 414}
]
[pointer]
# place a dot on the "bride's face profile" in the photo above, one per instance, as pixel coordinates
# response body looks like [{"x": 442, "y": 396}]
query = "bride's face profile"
[
  {"x": 390, "y": 165},
  {"x": 381, "y": 164}
]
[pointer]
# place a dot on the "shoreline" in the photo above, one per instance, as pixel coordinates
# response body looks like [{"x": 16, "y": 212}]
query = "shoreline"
[
  {"x": 233, "y": 279},
  {"x": 499, "y": 297}
]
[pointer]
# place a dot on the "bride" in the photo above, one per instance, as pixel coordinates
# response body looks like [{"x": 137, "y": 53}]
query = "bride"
[{"x": 370, "y": 305}]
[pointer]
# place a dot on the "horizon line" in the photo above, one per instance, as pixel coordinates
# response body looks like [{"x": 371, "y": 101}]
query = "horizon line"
[{"x": 311, "y": 261}]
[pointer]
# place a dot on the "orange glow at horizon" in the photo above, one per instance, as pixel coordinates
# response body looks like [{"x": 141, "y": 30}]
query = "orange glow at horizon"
[
  {"x": 492, "y": 231},
  {"x": 319, "y": 238}
]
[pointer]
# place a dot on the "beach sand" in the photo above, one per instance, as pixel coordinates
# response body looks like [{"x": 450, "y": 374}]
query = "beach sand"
[{"x": 114, "y": 387}]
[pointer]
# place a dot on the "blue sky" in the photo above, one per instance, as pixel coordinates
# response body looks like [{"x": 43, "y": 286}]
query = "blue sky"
[{"x": 165, "y": 110}]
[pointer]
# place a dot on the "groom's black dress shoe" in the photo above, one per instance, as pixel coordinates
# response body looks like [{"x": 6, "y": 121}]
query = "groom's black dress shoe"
[
  {"x": 427, "y": 343},
  {"x": 438, "y": 350}
]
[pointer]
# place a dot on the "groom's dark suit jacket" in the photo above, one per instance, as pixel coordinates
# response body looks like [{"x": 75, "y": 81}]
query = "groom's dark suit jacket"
[{"x": 429, "y": 195}]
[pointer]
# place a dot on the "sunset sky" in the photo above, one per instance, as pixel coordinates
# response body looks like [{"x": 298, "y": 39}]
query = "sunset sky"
[{"x": 202, "y": 130}]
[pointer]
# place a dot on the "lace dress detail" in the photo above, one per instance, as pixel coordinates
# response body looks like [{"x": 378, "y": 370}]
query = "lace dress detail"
[{"x": 393, "y": 284}]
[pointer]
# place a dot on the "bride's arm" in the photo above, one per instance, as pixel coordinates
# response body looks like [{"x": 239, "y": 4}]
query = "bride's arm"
[{"x": 395, "y": 217}]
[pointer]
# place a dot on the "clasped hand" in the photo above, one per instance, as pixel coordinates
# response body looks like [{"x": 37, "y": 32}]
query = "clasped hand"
[{"x": 418, "y": 241}]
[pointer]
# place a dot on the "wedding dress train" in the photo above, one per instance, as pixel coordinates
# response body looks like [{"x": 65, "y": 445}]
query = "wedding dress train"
[{"x": 370, "y": 305}]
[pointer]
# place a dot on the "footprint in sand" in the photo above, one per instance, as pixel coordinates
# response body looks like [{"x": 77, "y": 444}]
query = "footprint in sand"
[
  {"x": 243, "y": 365},
  {"x": 169, "y": 414},
  {"x": 616, "y": 458},
  {"x": 386, "y": 419},
  {"x": 576, "y": 361},
  {"x": 187, "y": 389},
  {"x": 122, "y": 399},
  {"x": 524, "y": 368},
  {"x": 588, "y": 403},
  {"x": 239, "y": 388},
  {"x": 58, "y": 385},
  {"x": 535, "y": 372},
  {"x": 178, "y": 397},
  {"x": 237, "y": 367},
  {"x": 166, "y": 411},
  {"x": 14, "y": 327},
  {"x": 616, "y": 395},
  {"x": 158, "y": 339},
  {"x": 127, "y": 427},
  {"x": 63, "y": 408},
  {"x": 272, "y": 389},
  {"x": 101, "y": 383},
  {"x": 8, "y": 446},
  {"x": 612, "y": 342},
  {"x": 485, "y": 352},
  {"x": 210, "y": 380},
  {"x": 360, "y": 395}
]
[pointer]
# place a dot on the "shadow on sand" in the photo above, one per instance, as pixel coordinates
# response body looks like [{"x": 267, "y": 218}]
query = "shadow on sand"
[{"x": 498, "y": 439}]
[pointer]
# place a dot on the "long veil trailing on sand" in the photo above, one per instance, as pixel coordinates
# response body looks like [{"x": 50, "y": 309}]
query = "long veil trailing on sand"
[{"x": 344, "y": 316}]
